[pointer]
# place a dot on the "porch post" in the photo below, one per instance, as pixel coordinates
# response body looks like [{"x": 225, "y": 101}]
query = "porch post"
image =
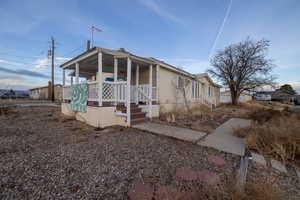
[
  {"x": 71, "y": 80},
  {"x": 150, "y": 92},
  {"x": 157, "y": 82},
  {"x": 100, "y": 82},
  {"x": 63, "y": 82},
  {"x": 137, "y": 80},
  {"x": 128, "y": 91},
  {"x": 115, "y": 79},
  {"x": 77, "y": 73},
  {"x": 63, "y": 77}
]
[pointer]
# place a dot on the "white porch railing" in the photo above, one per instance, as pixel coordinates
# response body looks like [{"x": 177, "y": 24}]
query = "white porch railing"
[
  {"x": 93, "y": 91},
  {"x": 115, "y": 92},
  {"x": 67, "y": 92}
]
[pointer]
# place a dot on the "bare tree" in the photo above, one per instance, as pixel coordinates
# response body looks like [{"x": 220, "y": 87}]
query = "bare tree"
[
  {"x": 243, "y": 67},
  {"x": 182, "y": 90}
]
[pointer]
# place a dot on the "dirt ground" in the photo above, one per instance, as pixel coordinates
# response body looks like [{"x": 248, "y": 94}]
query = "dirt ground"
[
  {"x": 44, "y": 155},
  {"x": 204, "y": 119}
]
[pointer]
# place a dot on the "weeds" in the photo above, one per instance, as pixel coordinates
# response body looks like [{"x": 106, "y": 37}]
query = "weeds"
[{"x": 275, "y": 134}]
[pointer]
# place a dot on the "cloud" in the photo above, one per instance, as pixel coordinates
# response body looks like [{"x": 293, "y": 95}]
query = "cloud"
[
  {"x": 220, "y": 30},
  {"x": 10, "y": 62},
  {"x": 16, "y": 84},
  {"x": 156, "y": 8},
  {"x": 42, "y": 63},
  {"x": 195, "y": 66},
  {"x": 24, "y": 72}
]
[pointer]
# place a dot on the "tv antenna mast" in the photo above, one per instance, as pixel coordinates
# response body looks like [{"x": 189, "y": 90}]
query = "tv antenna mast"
[{"x": 94, "y": 28}]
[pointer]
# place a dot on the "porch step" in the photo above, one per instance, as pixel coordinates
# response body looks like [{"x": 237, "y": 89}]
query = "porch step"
[
  {"x": 133, "y": 108},
  {"x": 138, "y": 121},
  {"x": 137, "y": 116}
]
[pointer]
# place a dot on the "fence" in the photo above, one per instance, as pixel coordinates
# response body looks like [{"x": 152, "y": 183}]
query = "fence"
[{"x": 114, "y": 92}]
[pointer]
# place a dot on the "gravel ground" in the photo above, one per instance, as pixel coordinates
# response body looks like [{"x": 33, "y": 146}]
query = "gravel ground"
[
  {"x": 46, "y": 156},
  {"x": 289, "y": 183}
]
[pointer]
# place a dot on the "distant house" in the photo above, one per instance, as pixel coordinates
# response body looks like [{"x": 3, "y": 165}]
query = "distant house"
[
  {"x": 119, "y": 88},
  {"x": 7, "y": 94},
  {"x": 263, "y": 96},
  {"x": 225, "y": 97},
  {"x": 282, "y": 96},
  {"x": 44, "y": 93}
]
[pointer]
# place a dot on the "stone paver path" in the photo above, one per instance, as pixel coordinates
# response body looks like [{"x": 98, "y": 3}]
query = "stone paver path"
[
  {"x": 171, "y": 131},
  {"x": 139, "y": 191},
  {"x": 216, "y": 160},
  {"x": 186, "y": 174},
  {"x": 223, "y": 138}
]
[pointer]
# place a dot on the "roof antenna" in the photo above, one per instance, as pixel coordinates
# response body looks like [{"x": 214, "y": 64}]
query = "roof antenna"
[{"x": 94, "y": 28}]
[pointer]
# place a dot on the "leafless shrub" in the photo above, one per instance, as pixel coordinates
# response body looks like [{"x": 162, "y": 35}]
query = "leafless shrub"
[
  {"x": 7, "y": 110},
  {"x": 278, "y": 137},
  {"x": 262, "y": 190}
]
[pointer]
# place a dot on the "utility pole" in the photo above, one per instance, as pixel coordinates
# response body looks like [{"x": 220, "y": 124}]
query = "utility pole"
[{"x": 52, "y": 68}]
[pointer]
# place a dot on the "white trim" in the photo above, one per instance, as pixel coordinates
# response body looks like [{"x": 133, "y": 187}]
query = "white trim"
[
  {"x": 79, "y": 59},
  {"x": 137, "y": 80},
  {"x": 63, "y": 77},
  {"x": 128, "y": 91},
  {"x": 150, "y": 92},
  {"x": 157, "y": 82},
  {"x": 100, "y": 81},
  {"x": 115, "y": 77},
  {"x": 77, "y": 73}
]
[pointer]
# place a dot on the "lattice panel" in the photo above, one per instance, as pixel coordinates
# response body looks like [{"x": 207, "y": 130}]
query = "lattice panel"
[{"x": 108, "y": 92}]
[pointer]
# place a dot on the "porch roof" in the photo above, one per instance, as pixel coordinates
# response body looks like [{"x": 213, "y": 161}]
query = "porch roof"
[{"x": 90, "y": 57}]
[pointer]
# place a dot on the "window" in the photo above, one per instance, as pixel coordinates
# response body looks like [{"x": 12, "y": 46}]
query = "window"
[
  {"x": 210, "y": 91},
  {"x": 180, "y": 82},
  {"x": 195, "y": 90}
]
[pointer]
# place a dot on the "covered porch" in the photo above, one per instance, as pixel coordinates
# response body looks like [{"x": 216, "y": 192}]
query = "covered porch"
[{"x": 113, "y": 78}]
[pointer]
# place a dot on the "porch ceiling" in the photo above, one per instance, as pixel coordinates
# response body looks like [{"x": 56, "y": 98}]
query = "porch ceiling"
[{"x": 88, "y": 64}]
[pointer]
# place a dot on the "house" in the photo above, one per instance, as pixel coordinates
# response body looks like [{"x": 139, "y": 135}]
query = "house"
[
  {"x": 44, "y": 93},
  {"x": 263, "y": 96},
  {"x": 115, "y": 87},
  {"x": 225, "y": 97},
  {"x": 282, "y": 96}
]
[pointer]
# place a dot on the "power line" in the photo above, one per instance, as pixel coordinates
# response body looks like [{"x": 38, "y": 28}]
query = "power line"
[{"x": 79, "y": 48}]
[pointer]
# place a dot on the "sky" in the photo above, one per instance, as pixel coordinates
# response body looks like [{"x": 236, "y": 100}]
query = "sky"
[{"x": 185, "y": 34}]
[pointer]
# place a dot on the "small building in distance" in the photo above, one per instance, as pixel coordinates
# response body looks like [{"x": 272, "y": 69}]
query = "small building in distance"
[
  {"x": 225, "y": 97},
  {"x": 263, "y": 96},
  {"x": 44, "y": 93}
]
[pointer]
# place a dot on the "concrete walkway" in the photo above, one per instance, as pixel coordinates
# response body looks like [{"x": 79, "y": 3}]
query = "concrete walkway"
[
  {"x": 37, "y": 104},
  {"x": 171, "y": 131},
  {"x": 223, "y": 139}
]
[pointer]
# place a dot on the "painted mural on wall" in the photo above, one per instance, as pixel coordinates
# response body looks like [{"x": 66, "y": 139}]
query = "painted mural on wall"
[{"x": 79, "y": 97}]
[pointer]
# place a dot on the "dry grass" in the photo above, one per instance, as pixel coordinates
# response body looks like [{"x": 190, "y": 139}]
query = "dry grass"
[
  {"x": 199, "y": 117},
  {"x": 7, "y": 110},
  {"x": 275, "y": 134},
  {"x": 265, "y": 190}
]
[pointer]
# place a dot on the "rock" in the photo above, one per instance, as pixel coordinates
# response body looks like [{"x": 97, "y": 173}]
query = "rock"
[
  {"x": 186, "y": 174},
  {"x": 278, "y": 165},
  {"x": 167, "y": 193},
  {"x": 258, "y": 158},
  {"x": 208, "y": 177},
  {"x": 216, "y": 160},
  {"x": 140, "y": 191}
]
